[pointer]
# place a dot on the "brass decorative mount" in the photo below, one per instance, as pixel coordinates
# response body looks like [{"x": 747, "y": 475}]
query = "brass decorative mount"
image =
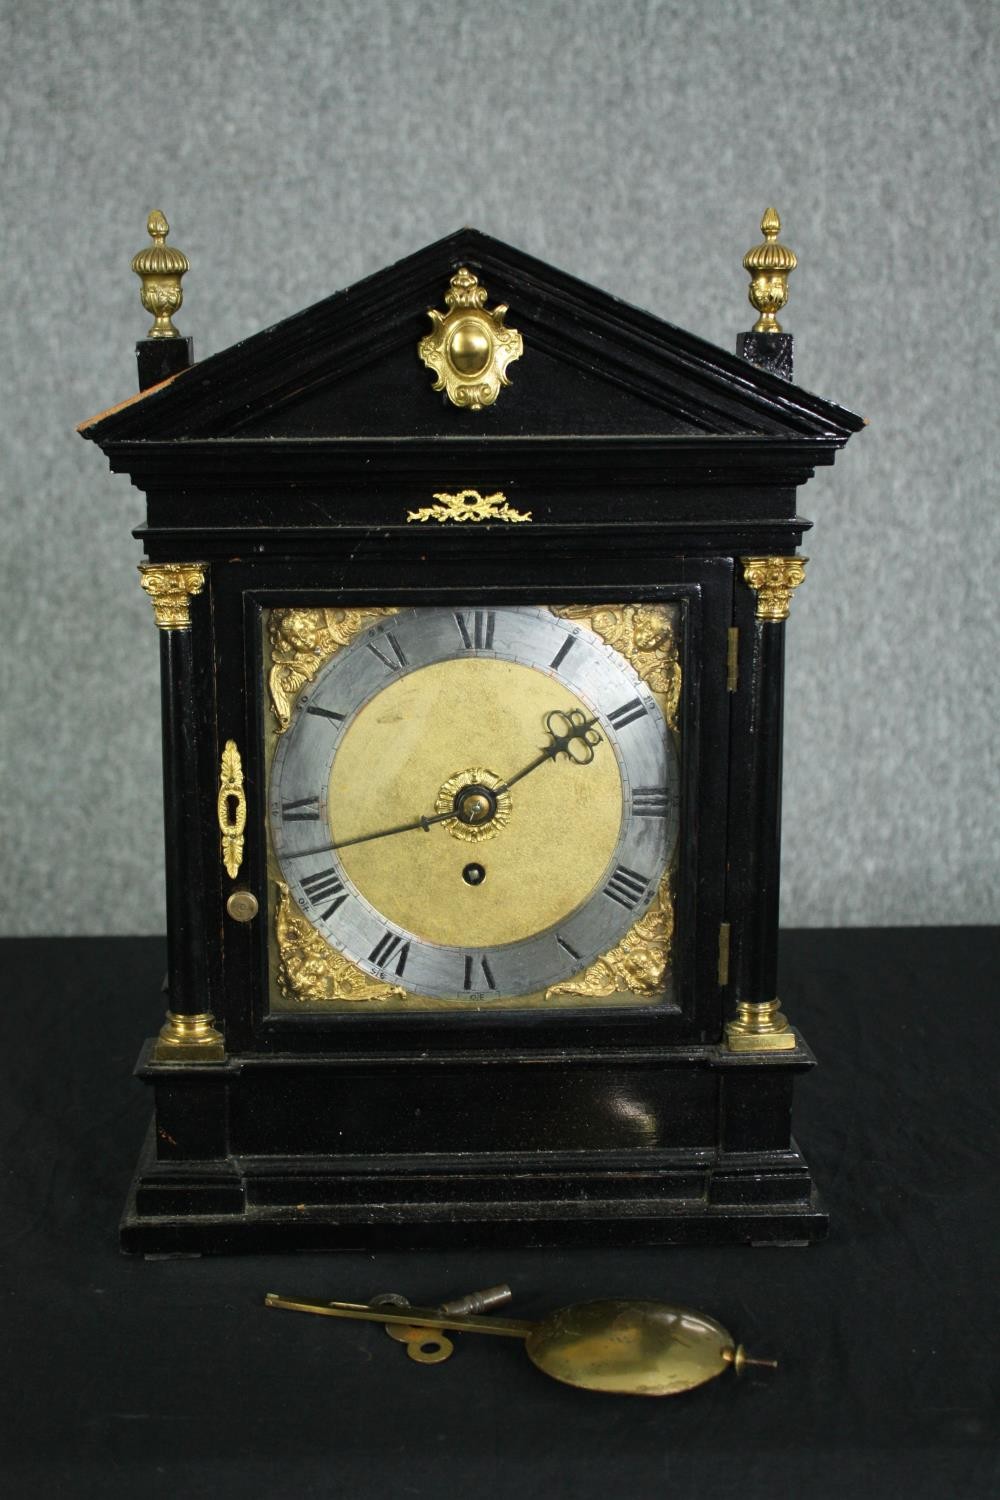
[
  {"x": 760, "y": 1028},
  {"x": 769, "y": 264},
  {"x": 171, "y": 587},
  {"x": 160, "y": 268},
  {"x": 469, "y": 505},
  {"x": 310, "y": 970},
  {"x": 469, "y": 347},
  {"x": 301, "y": 641},
  {"x": 774, "y": 580}
]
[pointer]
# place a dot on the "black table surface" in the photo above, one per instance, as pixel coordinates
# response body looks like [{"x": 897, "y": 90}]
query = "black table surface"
[{"x": 132, "y": 1377}]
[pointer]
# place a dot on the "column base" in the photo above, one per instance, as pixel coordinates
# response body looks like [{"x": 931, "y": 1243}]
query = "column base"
[
  {"x": 189, "y": 1039},
  {"x": 760, "y": 1028}
]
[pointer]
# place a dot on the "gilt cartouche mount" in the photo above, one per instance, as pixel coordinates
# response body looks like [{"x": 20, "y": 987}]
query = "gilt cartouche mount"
[
  {"x": 314, "y": 500},
  {"x": 470, "y": 347}
]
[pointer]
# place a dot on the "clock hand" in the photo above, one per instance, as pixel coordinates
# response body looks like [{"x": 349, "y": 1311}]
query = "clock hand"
[
  {"x": 577, "y": 729},
  {"x": 384, "y": 833}
]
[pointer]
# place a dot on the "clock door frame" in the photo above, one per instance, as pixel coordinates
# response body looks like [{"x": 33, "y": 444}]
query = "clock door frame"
[{"x": 702, "y": 587}]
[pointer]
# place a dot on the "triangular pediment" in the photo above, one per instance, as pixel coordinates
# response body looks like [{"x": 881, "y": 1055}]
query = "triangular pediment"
[{"x": 592, "y": 366}]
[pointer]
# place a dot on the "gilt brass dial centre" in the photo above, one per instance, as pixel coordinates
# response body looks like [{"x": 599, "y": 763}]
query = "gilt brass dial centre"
[{"x": 444, "y": 739}]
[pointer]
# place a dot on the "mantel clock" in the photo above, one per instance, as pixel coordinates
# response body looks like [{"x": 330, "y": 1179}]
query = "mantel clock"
[{"x": 471, "y": 639}]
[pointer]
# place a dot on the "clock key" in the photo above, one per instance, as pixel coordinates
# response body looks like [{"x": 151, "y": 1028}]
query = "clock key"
[{"x": 425, "y": 1345}]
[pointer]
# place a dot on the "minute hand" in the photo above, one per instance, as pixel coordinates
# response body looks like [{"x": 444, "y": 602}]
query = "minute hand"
[{"x": 578, "y": 728}]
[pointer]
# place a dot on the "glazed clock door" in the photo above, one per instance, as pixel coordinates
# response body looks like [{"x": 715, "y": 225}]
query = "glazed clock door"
[
  {"x": 473, "y": 806},
  {"x": 485, "y": 814}
]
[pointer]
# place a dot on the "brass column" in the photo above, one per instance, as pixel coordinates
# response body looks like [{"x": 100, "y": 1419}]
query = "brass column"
[
  {"x": 759, "y": 1025},
  {"x": 188, "y": 1035}
]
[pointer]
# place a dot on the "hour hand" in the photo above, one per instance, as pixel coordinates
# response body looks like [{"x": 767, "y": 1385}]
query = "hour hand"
[{"x": 571, "y": 734}]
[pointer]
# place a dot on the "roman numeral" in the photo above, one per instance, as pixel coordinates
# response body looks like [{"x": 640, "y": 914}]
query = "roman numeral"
[
  {"x": 562, "y": 653},
  {"x": 649, "y": 802},
  {"x": 386, "y": 948},
  {"x": 396, "y": 649},
  {"x": 626, "y": 887},
  {"x": 324, "y": 713},
  {"x": 306, "y": 810},
  {"x": 567, "y": 949},
  {"x": 476, "y": 629},
  {"x": 320, "y": 886},
  {"x": 470, "y": 963},
  {"x": 627, "y": 713}
]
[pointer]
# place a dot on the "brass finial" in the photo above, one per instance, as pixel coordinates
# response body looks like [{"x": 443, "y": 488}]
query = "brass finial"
[
  {"x": 769, "y": 265},
  {"x": 160, "y": 268}
]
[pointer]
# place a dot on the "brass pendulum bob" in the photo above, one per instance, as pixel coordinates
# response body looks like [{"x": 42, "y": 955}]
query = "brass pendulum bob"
[{"x": 628, "y": 1347}]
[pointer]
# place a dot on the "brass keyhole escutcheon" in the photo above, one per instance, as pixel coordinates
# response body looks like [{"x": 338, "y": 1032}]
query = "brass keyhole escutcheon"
[{"x": 232, "y": 812}]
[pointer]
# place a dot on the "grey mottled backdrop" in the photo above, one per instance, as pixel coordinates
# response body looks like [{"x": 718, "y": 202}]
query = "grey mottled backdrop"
[{"x": 298, "y": 146}]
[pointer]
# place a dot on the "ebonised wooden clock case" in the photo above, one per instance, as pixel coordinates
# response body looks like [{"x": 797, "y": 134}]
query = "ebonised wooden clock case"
[{"x": 280, "y": 474}]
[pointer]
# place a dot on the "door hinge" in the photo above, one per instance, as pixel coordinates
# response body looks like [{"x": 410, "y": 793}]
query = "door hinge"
[
  {"x": 723, "y": 953},
  {"x": 732, "y": 658}
]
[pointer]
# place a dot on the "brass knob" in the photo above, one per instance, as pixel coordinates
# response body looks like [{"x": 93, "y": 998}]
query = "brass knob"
[{"x": 242, "y": 906}]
